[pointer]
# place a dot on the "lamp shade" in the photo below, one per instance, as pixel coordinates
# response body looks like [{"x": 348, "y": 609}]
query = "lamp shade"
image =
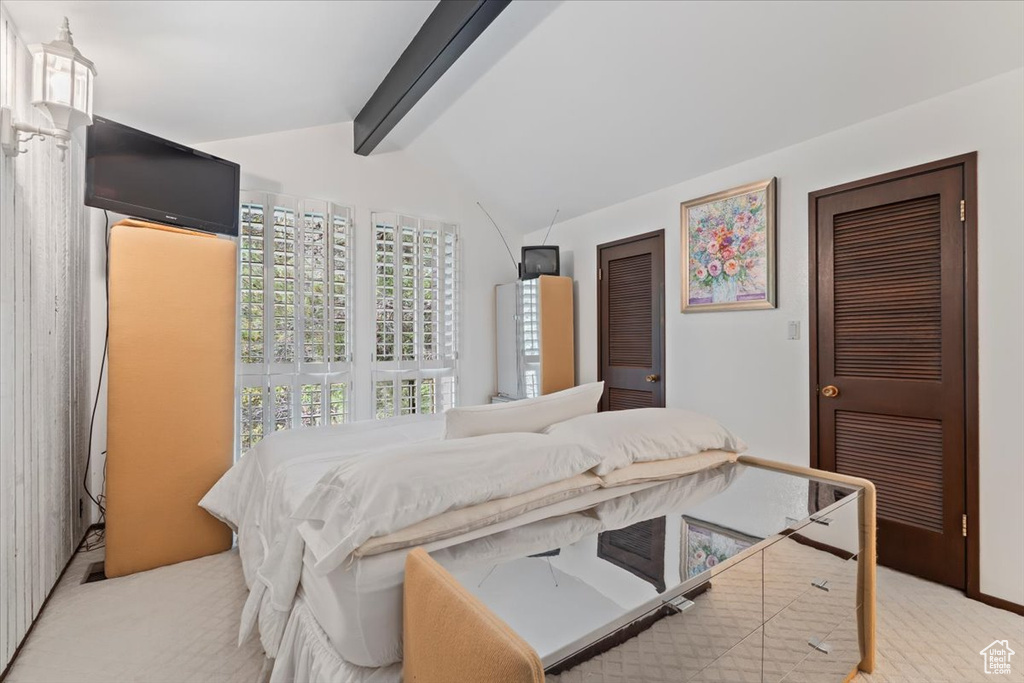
[{"x": 62, "y": 81}]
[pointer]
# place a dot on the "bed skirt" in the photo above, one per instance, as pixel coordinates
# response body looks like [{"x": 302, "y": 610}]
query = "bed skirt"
[{"x": 306, "y": 656}]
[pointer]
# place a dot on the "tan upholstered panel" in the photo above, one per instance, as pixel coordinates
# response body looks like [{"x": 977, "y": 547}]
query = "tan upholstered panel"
[
  {"x": 557, "y": 343},
  {"x": 170, "y": 399},
  {"x": 451, "y": 637}
]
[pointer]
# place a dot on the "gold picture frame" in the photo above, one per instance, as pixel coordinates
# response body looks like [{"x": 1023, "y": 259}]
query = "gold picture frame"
[
  {"x": 727, "y": 257},
  {"x": 705, "y": 544}
]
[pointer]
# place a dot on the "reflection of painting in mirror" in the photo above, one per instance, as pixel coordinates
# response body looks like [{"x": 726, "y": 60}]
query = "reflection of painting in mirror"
[
  {"x": 705, "y": 545},
  {"x": 639, "y": 549}
]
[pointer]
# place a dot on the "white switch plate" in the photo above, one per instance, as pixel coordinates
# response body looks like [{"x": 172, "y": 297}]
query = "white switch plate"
[{"x": 793, "y": 331}]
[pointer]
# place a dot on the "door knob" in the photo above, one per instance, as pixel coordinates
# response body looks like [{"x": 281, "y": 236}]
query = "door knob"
[
  {"x": 652, "y": 378},
  {"x": 831, "y": 391}
]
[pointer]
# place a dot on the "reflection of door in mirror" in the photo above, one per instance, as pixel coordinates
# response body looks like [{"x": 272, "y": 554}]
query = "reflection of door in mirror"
[{"x": 639, "y": 549}]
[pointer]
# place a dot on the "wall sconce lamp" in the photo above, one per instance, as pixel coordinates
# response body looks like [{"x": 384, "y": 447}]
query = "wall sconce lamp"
[{"x": 61, "y": 87}]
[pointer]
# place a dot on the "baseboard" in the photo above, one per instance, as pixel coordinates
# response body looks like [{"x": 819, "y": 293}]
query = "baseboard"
[{"x": 993, "y": 601}]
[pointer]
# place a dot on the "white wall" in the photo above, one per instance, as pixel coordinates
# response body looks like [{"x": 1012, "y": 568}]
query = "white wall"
[
  {"x": 319, "y": 163},
  {"x": 739, "y": 366},
  {"x": 44, "y": 396}
]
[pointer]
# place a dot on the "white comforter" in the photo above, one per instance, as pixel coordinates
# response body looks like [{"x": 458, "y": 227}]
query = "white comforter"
[
  {"x": 264, "y": 498},
  {"x": 383, "y": 491},
  {"x": 361, "y": 481},
  {"x": 370, "y": 590},
  {"x": 258, "y": 496}
]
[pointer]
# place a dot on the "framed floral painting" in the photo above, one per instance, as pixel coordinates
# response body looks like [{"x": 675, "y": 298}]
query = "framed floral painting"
[
  {"x": 728, "y": 249},
  {"x": 706, "y": 545}
]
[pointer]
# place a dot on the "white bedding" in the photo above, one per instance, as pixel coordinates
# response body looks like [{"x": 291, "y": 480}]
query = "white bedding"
[
  {"x": 626, "y": 437},
  {"x": 384, "y": 491},
  {"x": 258, "y": 495},
  {"x": 360, "y": 606},
  {"x": 357, "y": 603},
  {"x": 308, "y": 653},
  {"x": 258, "y": 498}
]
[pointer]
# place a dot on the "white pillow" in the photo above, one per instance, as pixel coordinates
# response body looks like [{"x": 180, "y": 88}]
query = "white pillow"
[
  {"x": 527, "y": 415},
  {"x": 624, "y": 437}
]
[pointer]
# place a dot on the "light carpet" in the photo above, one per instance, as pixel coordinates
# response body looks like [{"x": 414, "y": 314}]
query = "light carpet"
[{"x": 180, "y": 623}]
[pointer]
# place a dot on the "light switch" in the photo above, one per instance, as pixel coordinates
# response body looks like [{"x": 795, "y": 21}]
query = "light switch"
[{"x": 794, "y": 330}]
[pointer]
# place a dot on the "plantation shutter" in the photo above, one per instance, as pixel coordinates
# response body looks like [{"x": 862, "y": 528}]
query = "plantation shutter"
[
  {"x": 294, "y": 354},
  {"x": 416, "y": 306}
]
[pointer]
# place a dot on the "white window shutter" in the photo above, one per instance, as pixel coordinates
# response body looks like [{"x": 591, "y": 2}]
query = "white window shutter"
[
  {"x": 252, "y": 302},
  {"x": 284, "y": 274},
  {"x": 313, "y": 299},
  {"x": 340, "y": 271},
  {"x": 294, "y": 358},
  {"x": 417, "y": 305}
]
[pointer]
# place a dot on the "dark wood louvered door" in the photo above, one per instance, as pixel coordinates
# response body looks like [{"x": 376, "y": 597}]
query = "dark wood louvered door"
[
  {"x": 631, "y": 322},
  {"x": 890, "y": 359}
]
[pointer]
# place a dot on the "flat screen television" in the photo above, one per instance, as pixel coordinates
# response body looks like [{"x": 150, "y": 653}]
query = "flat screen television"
[
  {"x": 138, "y": 174},
  {"x": 539, "y": 261}
]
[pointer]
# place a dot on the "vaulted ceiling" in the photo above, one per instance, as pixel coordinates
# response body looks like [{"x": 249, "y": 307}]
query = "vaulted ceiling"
[
  {"x": 195, "y": 71},
  {"x": 573, "y": 105}
]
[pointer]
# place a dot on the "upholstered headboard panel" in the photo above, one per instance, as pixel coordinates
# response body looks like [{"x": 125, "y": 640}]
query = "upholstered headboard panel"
[
  {"x": 170, "y": 399},
  {"x": 557, "y": 341}
]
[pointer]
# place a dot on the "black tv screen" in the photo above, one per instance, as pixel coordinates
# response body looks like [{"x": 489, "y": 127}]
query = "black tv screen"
[
  {"x": 141, "y": 175},
  {"x": 539, "y": 261}
]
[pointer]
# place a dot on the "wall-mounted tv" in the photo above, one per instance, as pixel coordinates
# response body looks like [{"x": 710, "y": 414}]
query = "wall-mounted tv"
[{"x": 132, "y": 172}]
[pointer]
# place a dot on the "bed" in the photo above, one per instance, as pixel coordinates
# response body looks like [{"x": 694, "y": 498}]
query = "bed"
[{"x": 325, "y": 568}]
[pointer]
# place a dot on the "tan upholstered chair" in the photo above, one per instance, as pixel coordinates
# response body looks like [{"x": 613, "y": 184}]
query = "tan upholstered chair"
[{"x": 451, "y": 637}]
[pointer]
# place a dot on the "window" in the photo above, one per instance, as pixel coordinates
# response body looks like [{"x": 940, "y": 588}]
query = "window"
[
  {"x": 294, "y": 312},
  {"x": 416, "y": 307}
]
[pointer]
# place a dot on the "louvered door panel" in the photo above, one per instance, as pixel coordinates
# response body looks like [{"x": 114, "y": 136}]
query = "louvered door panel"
[
  {"x": 902, "y": 456},
  {"x": 888, "y": 292},
  {"x": 626, "y": 399},
  {"x": 890, "y": 352},
  {"x": 629, "y": 303}
]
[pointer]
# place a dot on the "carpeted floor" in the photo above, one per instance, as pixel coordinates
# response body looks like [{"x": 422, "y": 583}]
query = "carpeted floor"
[
  {"x": 180, "y": 623},
  {"x": 168, "y": 625}
]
